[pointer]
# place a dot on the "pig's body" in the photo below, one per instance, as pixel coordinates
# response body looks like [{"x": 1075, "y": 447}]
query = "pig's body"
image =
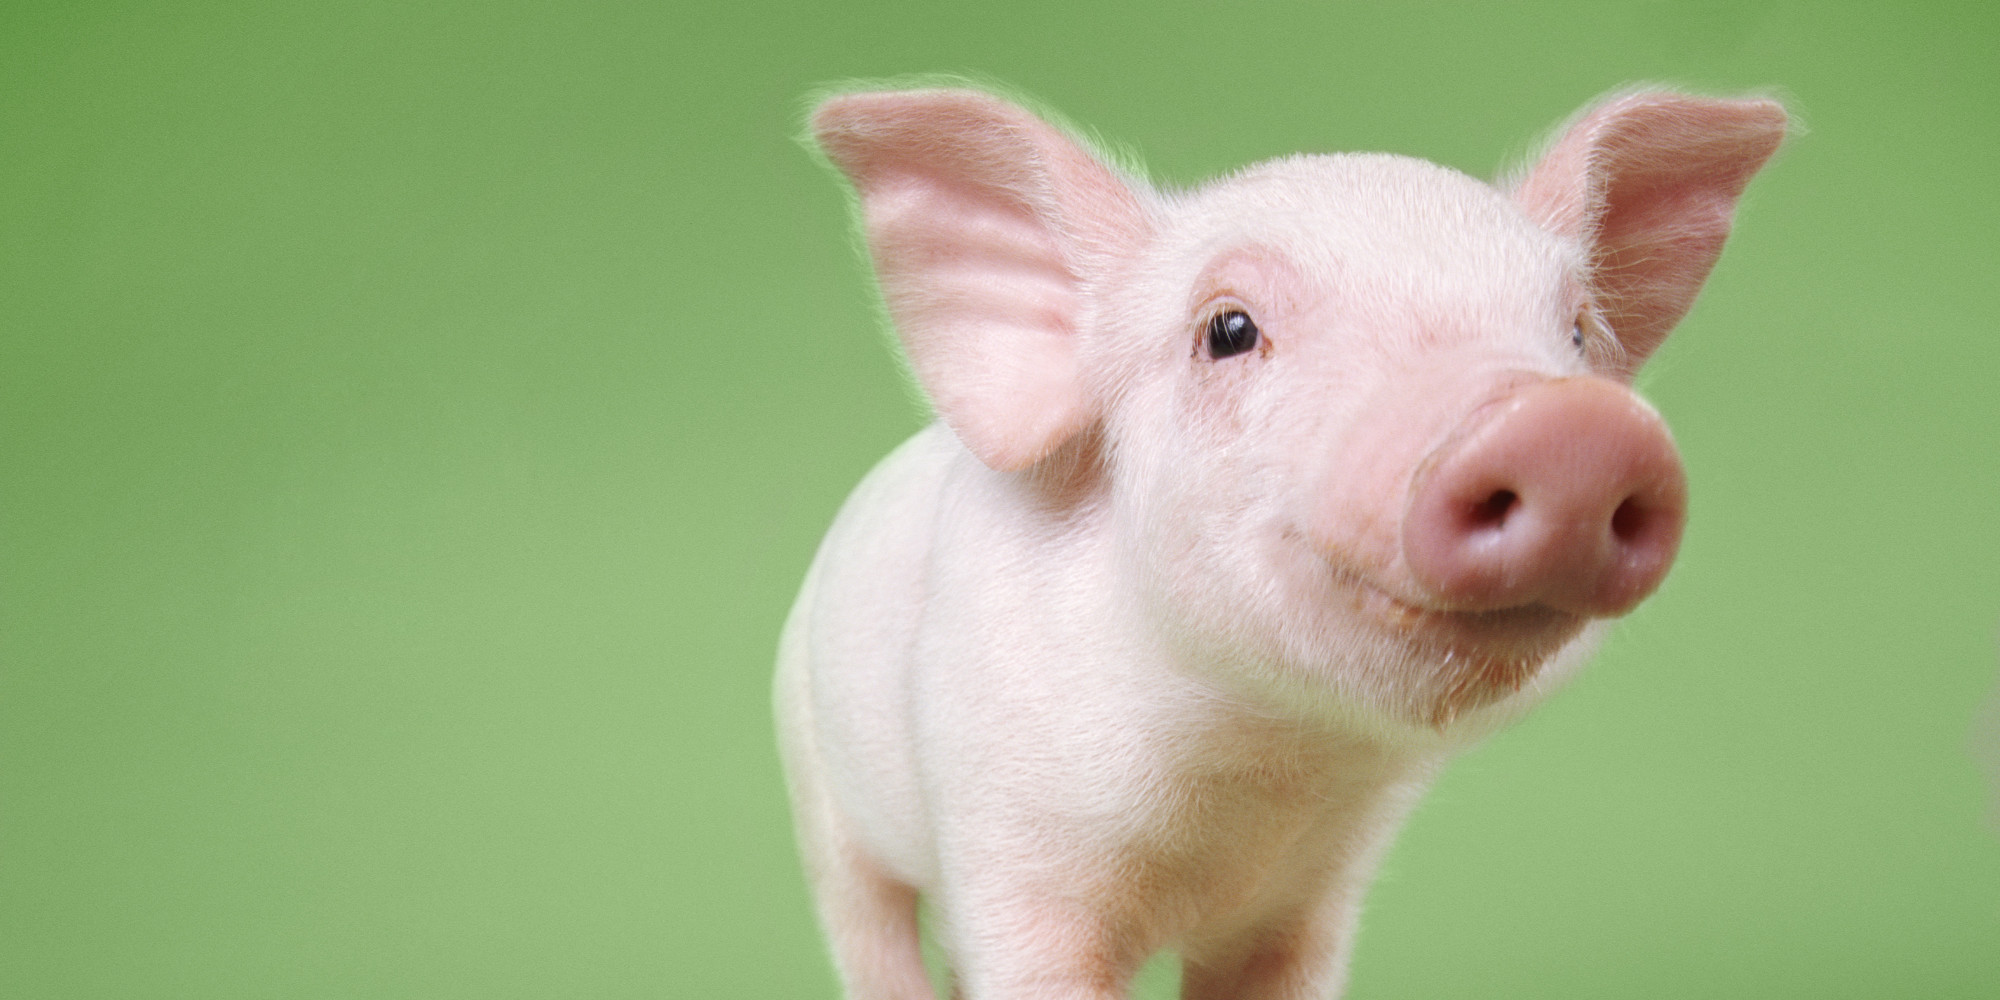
[
  {"x": 1247, "y": 508},
  {"x": 928, "y": 715}
]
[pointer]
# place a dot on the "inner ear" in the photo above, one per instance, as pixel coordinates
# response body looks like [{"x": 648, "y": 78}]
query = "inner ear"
[
  {"x": 985, "y": 224},
  {"x": 1649, "y": 183}
]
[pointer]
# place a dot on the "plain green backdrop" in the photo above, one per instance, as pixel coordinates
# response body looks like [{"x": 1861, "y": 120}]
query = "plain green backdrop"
[{"x": 414, "y": 420}]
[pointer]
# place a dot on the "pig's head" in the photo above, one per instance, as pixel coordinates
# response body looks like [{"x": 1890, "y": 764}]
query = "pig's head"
[{"x": 1360, "y": 424}]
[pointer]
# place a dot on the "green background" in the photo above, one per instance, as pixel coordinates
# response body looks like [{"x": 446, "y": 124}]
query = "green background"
[{"x": 414, "y": 420}]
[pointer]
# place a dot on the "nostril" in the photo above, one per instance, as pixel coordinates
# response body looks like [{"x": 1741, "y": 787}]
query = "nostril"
[
  {"x": 1566, "y": 493},
  {"x": 1492, "y": 512},
  {"x": 1628, "y": 521}
]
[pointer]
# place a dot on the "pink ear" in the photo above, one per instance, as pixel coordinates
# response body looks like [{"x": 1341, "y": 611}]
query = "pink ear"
[
  {"x": 1649, "y": 181},
  {"x": 985, "y": 224}
]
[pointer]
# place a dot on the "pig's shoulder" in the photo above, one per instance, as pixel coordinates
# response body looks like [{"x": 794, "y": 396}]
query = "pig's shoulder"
[
  {"x": 903, "y": 489},
  {"x": 883, "y": 533}
]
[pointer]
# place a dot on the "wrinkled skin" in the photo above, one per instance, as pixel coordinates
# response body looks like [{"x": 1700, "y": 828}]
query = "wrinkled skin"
[{"x": 1155, "y": 637}]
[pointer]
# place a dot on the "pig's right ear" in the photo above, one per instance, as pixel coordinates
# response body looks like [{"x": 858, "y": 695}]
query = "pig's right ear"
[{"x": 985, "y": 224}]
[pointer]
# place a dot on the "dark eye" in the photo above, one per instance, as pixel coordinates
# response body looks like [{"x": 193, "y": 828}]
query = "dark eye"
[
  {"x": 1576, "y": 334},
  {"x": 1230, "y": 333}
]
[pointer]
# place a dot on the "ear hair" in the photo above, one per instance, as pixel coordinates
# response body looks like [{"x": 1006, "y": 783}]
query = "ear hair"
[
  {"x": 1648, "y": 181},
  {"x": 984, "y": 223}
]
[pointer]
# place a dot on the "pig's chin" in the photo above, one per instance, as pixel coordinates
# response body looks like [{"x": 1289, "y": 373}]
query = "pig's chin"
[{"x": 1471, "y": 658}]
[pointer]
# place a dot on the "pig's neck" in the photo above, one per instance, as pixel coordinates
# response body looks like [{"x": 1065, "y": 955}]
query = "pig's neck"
[
  {"x": 1247, "y": 815},
  {"x": 1227, "y": 805}
]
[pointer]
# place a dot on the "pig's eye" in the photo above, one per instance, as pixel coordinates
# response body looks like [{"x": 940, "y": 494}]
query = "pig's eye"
[
  {"x": 1230, "y": 333},
  {"x": 1589, "y": 334}
]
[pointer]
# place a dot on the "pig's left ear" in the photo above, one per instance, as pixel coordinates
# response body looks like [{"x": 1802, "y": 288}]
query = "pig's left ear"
[
  {"x": 1649, "y": 183},
  {"x": 985, "y": 224}
]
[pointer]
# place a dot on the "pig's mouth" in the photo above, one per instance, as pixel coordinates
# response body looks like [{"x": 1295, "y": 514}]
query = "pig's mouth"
[{"x": 1474, "y": 658}]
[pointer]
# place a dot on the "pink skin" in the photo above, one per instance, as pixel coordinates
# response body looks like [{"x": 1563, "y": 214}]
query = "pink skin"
[
  {"x": 1150, "y": 645},
  {"x": 1544, "y": 503},
  {"x": 1566, "y": 493}
]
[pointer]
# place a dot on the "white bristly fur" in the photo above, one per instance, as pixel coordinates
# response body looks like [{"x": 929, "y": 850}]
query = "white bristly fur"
[{"x": 1122, "y": 654}]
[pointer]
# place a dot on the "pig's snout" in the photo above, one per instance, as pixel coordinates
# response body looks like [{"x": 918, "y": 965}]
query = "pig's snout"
[{"x": 1566, "y": 493}]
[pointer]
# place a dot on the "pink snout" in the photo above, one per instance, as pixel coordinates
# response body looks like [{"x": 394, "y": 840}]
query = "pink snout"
[{"x": 1567, "y": 493}]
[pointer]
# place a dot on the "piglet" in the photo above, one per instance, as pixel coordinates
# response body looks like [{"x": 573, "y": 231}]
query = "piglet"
[{"x": 1246, "y": 507}]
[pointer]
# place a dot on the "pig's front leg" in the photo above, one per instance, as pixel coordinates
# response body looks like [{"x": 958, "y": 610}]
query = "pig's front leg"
[
  {"x": 871, "y": 923},
  {"x": 1300, "y": 957},
  {"x": 1033, "y": 946}
]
